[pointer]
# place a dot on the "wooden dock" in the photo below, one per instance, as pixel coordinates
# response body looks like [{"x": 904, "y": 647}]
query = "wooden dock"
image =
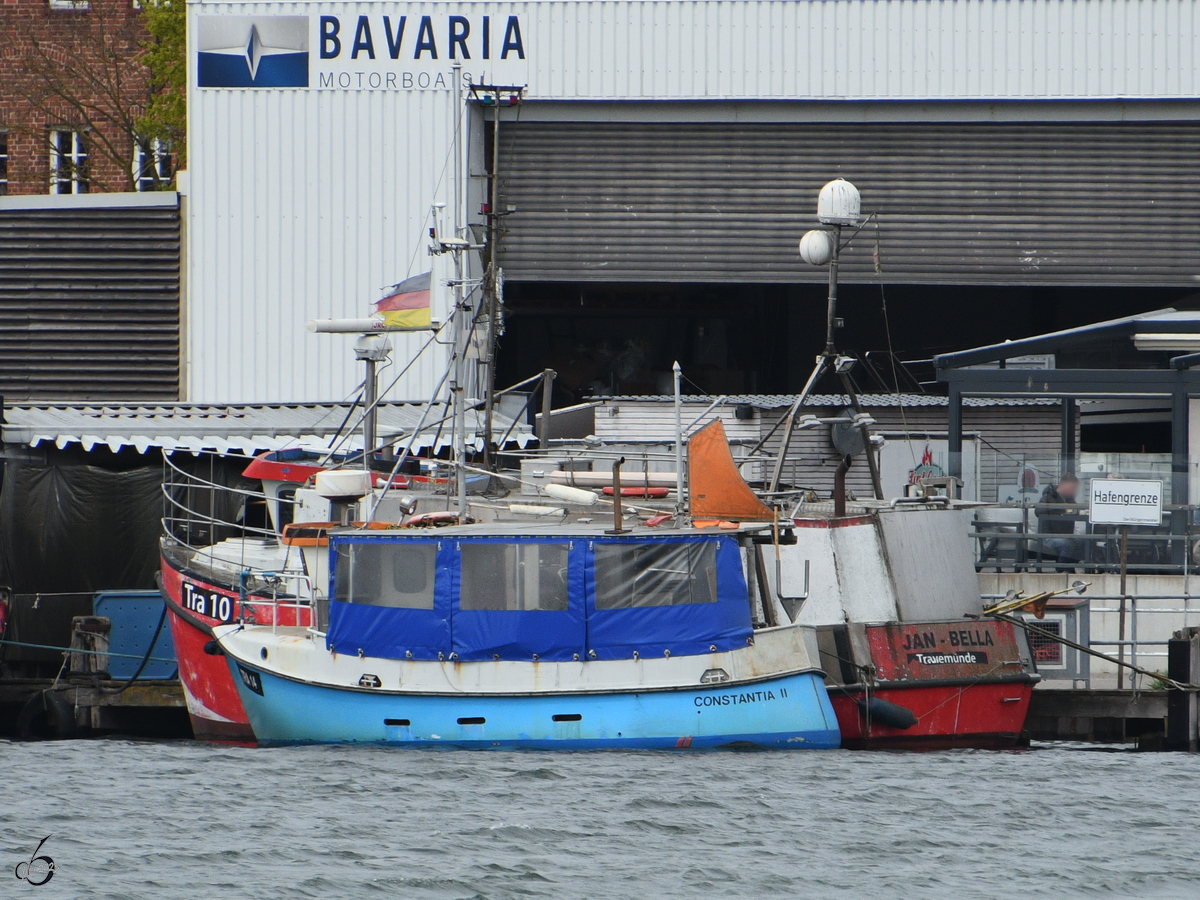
[{"x": 145, "y": 709}]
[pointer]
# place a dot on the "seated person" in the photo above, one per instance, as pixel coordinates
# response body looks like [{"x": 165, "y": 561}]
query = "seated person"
[{"x": 1055, "y": 514}]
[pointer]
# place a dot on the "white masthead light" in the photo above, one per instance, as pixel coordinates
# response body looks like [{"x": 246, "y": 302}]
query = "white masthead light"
[{"x": 839, "y": 203}]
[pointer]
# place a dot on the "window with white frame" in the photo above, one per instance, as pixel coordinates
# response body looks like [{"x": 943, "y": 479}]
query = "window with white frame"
[
  {"x": 3, "y": 163},
  {"x": 151, "y": 165},
  {"x": 68, "y": 162}
]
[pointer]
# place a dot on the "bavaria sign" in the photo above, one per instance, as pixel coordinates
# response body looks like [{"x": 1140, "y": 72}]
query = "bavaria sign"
[
  {"x": 397, "y": 52},
  {"x": 1119, "y": 502}
]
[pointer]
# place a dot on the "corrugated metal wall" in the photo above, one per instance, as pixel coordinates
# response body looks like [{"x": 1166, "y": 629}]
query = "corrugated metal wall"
[
  {"x": 89, "y": 297},
  {"x": 1100, "y": 203},
  {"x": 864, "y": 49},
  {"x": 303, "y": 203},
  {"x": 310, "y": 204}
]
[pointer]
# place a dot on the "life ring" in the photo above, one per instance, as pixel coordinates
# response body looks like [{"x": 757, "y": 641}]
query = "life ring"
[{"x": 46, "y": 716}]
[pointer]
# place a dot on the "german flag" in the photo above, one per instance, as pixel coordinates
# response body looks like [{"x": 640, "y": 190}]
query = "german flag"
[{"x": 405, "y": 306}]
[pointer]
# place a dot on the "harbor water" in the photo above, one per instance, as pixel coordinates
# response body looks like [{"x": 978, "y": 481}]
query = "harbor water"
[{"x": 186, "y": 820}]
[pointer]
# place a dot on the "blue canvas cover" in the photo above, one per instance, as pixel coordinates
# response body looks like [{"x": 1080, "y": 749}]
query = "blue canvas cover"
[
  {"x": 375, "y": 622},
  {"x": 657, "y": 600},
  {"x": 515, "y": 598},
  {"x": 519, "y": 600}
]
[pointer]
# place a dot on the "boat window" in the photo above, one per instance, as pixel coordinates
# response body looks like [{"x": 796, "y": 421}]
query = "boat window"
[
  {"x": 514, "y": 576},
  {"x": 394, "y": 574},
  {"x": 286, "y": 507},
  {"x": 629, "y": 575}
]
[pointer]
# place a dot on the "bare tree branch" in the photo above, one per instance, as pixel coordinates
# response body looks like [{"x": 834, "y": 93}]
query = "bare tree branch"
[{"x": 92, "y": 77}]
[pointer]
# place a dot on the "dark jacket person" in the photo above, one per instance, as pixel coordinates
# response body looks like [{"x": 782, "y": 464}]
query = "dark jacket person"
[
  {"x": 1052, "y": 514},
  {"x": 1055, "y": 504}
]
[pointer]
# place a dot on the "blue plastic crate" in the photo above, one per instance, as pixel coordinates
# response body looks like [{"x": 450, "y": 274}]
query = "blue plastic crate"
[{"x": 134, "y": 616}]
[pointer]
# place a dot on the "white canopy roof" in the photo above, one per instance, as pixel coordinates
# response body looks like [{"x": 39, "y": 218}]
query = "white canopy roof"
[{"x": 249, "y": 428}]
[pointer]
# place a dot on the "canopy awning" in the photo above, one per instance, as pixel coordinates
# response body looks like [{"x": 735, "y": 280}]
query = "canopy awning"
[{"x": 244, "y": 428}]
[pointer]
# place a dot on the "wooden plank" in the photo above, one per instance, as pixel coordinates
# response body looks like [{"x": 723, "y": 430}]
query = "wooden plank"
[{"x": 144, "y": 694}]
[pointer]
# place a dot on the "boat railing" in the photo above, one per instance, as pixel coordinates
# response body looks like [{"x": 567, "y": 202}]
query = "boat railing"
[
  {"x": 293, "y": 591},
  {"x": 200, "y": 511}
]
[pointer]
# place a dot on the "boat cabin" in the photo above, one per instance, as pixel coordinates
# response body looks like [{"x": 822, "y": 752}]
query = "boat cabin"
[{"x": 549, "y": 594}]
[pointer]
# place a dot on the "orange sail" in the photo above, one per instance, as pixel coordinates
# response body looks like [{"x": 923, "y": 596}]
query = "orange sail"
[{"x": 716, "y": 488}]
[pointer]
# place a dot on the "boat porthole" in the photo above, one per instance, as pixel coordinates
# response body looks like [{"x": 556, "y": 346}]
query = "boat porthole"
[{"x": 263, "y": 652}]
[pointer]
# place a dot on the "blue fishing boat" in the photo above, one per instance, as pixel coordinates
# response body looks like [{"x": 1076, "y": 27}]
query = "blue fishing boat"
[{"x": 525, "y": 636}]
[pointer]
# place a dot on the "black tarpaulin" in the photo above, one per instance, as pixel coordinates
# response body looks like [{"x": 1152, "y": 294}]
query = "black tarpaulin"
[
  {"x": 79, "y": 528},
  {"x": 75, "y": 521}
]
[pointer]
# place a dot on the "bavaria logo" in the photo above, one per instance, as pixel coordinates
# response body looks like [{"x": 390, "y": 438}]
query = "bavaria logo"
[{"x": 240, "y": 51}]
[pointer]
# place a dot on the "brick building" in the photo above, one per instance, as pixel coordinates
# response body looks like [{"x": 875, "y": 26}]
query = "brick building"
[
  {"x": 72, "y": 85},
  {"x": 89, "y": 270}
]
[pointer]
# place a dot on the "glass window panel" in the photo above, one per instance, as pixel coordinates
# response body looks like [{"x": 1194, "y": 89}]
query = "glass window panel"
[
  {"x": 68, "y": 163},
  {"x": 629, "y": 575},
  {"x": 400, "y": 575},
  {"x": 514, "y": 576}
]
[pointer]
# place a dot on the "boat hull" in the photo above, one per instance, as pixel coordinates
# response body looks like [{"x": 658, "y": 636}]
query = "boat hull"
[
  {"x": 214, "y": 706},
  {"x": 791, "y": 711},
  {"x": 968, "y": 714}
]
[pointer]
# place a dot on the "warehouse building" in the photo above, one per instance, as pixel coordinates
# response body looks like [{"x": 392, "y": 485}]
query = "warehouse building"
[{"x": 1032, "y": 166}]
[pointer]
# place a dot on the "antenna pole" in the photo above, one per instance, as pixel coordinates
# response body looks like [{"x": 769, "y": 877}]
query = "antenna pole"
[
  {"x": 461, "y": 323},
  {"x": 370, "y": 416},
  {"x": 678, "y": 370},
  {"x": 831, "y": 320}
]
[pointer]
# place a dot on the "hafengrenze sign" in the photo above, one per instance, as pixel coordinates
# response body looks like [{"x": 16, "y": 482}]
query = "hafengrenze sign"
[{"x": 1117, "y": 502}]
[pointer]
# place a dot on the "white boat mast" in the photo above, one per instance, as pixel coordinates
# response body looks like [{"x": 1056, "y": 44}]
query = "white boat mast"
[{"x": 461, "y": 324}]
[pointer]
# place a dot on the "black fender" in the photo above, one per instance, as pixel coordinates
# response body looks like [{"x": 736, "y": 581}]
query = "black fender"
[
  {"x": 891, "y": 714},
  {"x": 46, "y": 716}
]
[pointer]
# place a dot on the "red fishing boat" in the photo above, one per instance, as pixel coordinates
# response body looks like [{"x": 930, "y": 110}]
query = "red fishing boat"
[
  {"x": 910, "y": 659},
  {"x": 195, "y": 604},
  {"x": 929, "y": 685},
  {"x": 203, "y": 583}
]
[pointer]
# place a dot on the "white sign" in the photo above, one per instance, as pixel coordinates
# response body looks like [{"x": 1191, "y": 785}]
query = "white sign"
[
  {"x": 1118, "y": 502},
  {"x": 360, "y": 52},
  {"x": 909, "y": 460}
]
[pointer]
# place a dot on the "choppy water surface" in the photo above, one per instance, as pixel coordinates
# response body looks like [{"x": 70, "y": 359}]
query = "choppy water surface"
[{"x": 190, "y": 820}]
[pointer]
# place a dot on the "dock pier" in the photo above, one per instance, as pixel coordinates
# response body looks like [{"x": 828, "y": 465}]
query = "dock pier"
[
  {"x": 1100, "y": 716},
  {"x": 78, "y": 708}
]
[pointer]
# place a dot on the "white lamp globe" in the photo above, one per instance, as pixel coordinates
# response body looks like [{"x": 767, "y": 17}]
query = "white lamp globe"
[{"x": 816, "y": 248}]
